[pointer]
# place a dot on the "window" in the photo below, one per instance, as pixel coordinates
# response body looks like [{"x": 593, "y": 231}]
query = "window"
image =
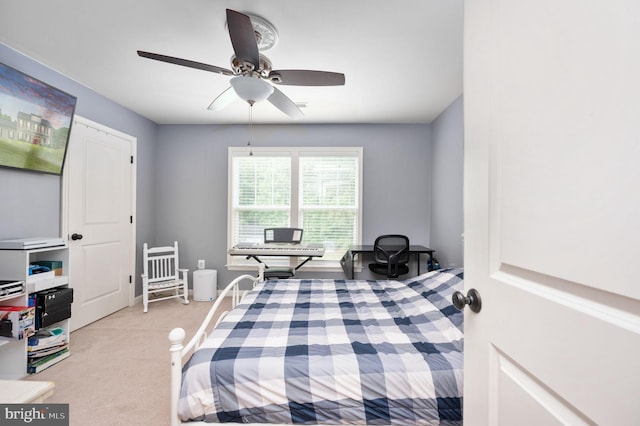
[{"x": 316, "y": 189}]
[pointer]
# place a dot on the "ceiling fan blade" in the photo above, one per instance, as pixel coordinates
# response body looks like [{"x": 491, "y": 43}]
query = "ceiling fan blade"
[
  {"x": 306, "y": 78},
  {"x": 223, "y": 99},
  {"x": 184, "y": 62},
  {"x": 284, "y": 104},
  {"x": 243, "y": 38}
]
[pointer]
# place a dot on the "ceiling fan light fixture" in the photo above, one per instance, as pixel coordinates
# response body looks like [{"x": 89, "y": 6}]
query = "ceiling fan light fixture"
[{"x": 251, "y": 88}]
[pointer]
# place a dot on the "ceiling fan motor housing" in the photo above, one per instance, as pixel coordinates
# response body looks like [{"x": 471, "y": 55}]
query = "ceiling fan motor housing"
[{"x": 247, "y": 68}]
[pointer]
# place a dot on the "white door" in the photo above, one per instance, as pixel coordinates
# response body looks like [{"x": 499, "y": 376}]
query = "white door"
[
  {"x": 552, "y": 212},
  {"x": 100, "y": 185}
]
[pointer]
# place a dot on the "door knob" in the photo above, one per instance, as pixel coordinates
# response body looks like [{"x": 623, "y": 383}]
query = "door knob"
[
  {"x": 472, "y": 299},
  {"x": 76, "y": 237}
]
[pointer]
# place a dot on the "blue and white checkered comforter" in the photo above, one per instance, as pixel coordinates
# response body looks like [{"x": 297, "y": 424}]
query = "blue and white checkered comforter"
[{"x": 333, "y": 352}]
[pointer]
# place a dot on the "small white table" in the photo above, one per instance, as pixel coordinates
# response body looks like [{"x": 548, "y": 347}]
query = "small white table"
[{"x": 25, "y": 391}]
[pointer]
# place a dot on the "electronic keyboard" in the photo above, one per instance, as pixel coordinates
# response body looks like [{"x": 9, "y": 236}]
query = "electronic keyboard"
[{"x": 274, "y": 249}]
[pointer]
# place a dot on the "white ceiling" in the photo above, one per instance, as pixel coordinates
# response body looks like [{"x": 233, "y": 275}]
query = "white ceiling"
[{"x": 402, "y": 59}]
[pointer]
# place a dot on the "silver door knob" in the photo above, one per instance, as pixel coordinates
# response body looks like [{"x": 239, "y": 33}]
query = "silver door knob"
[{"x": 472, "y": 299}]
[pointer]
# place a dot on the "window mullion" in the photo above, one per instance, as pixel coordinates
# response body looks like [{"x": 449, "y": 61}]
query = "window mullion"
[
  {"x": 295, "y": 198},
  {"x": 295, "y": 189}
]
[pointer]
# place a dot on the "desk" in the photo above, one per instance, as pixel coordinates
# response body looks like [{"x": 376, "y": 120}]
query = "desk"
[{"x": 348, "y": 260}]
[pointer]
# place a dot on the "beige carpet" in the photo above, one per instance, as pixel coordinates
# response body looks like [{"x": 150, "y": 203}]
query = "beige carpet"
[{"x": 118, "y": 371}]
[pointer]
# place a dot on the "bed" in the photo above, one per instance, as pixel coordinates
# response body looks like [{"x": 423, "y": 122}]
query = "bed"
[{"x": 326, "y": 352}]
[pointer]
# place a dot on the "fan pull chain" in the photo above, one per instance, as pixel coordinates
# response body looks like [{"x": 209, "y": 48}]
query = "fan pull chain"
[{"x": 250, "y": 128}]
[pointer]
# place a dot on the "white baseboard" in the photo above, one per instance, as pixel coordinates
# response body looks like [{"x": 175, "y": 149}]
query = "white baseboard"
[{"x": 138, "y": 299}]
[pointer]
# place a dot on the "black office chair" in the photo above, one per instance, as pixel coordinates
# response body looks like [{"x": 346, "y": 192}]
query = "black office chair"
[{"x": 391, "y": 255}]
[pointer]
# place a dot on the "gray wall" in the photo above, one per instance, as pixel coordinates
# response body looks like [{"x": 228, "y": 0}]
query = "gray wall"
[
  {"x": 446, "y": 194},
  {"x": 192, "y": 182},
  {"x": 30, "y": 202},
  {"x": 182, "y": 177}
]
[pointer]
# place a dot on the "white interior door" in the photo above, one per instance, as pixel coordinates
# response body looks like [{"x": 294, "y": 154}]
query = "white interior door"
[
  {"x": 552, "y": 208},
  {"x": 100, "y": 180}
]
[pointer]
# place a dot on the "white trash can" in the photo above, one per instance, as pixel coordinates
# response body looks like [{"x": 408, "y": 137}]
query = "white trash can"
[{"x": 205, "y": 285}]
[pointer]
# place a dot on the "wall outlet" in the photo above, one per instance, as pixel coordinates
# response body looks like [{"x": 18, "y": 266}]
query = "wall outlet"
[{"x": 201, "y": 264}]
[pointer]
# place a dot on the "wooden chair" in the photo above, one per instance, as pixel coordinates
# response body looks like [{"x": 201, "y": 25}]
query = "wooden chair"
[{"x": 162, "y": 274}]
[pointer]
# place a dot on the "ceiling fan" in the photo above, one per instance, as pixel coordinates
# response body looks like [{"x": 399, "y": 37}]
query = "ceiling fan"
[{"x": 252, "y": 72}]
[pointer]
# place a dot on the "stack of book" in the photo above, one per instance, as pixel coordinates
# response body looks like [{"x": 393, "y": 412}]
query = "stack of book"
[{"x": 45, "y": 348}]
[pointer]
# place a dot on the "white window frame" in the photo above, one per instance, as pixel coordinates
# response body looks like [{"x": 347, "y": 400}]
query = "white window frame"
[{"x": 240, "y": 262}]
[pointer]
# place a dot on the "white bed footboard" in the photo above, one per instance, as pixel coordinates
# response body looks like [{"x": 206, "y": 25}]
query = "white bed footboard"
[{"x": 177, "y": 335}]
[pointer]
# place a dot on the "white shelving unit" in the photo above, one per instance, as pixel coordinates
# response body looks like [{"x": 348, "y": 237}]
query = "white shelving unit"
[
  {"x": 13, "y": 353},
  {"x": 14, "y": 265}
]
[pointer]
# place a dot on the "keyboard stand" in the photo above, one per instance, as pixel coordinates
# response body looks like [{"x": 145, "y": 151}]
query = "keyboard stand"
[
  {"x": 280, "y": 272},
  {"x": 276, "y": 273}
]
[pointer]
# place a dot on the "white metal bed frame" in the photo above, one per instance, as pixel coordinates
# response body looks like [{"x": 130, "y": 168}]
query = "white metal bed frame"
[{"x": 179, "y": 351}]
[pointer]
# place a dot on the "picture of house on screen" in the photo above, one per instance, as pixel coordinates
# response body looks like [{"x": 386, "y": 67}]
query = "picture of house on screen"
[{"x": 35, "y": 120}]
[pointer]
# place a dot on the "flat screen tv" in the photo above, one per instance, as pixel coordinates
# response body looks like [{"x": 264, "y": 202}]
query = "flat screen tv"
[{"x": 35, "y": 123}]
